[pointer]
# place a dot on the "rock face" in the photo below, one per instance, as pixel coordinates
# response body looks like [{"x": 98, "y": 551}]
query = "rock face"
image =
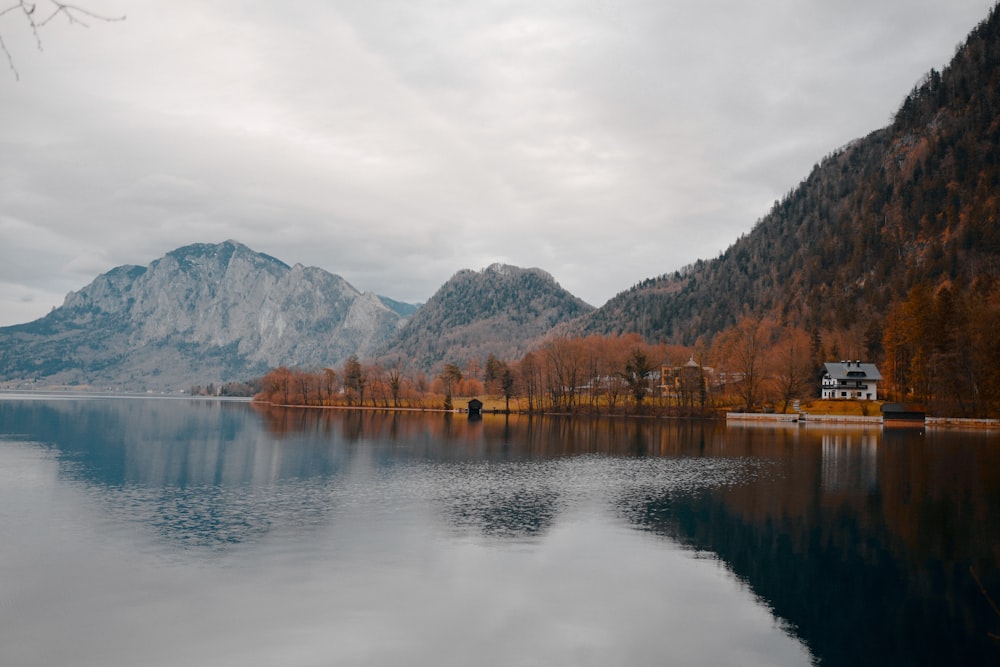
[
  {"x": 202, "y": 313},
  {"x": 500, "y": 310}
]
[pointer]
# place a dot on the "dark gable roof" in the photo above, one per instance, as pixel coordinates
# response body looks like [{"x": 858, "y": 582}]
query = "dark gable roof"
[{"x": 852, "y": 370}]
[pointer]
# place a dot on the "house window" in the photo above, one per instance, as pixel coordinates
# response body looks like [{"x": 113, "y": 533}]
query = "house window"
[{"x": 843, "y": 394}]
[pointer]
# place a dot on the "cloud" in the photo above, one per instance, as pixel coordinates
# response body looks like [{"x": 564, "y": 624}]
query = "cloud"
[{"x": 395, "y": 143}]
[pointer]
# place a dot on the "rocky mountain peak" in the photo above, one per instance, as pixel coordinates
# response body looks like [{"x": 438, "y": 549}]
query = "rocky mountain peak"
[{"x": 214, "y": 312}]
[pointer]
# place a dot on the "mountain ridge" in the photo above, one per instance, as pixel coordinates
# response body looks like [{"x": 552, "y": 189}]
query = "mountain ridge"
[
  {"x": 499, "y": 310},
  {"x": 211, "y": 312},
  {"x": 215, "y": 313}
]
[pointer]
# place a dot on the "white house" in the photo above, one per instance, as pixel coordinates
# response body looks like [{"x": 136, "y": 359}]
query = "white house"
[{"x": 850, "y": 380}]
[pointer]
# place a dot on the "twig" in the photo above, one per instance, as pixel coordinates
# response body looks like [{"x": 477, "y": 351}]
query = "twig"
[
  {"x": 68, "y": 11},
  {"x": 73, "y": 14},
  {"x": 10, "y": 59}
]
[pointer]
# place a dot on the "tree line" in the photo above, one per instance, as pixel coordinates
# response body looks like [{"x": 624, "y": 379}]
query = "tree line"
[
  {"x": 755, "y": 365},
  {"x": 941, "y": 348},
  {"x": 937, "y": 347}
]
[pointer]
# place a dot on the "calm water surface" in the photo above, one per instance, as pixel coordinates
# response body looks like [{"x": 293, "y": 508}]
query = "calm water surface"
[{"x": 138, "y": 531}]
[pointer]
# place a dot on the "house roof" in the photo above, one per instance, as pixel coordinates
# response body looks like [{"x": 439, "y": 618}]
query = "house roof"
[{"x": 852, "y": 370}]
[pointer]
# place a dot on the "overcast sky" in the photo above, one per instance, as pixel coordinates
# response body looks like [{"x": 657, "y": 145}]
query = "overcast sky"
[{"x": 396, "y": 142}]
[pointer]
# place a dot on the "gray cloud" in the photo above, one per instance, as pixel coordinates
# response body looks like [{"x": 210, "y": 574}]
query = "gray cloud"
[{"x": 394, "y": 143}]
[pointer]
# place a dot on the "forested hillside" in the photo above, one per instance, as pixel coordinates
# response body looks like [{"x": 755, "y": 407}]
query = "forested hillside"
[
  {"x": 891, "y": 243},
  {"x": 913, "y": 204}
]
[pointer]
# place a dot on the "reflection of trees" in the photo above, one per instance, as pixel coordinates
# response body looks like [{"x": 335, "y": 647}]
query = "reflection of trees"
[
  {"x": 442, "y": 436},
  {"x": 864, "y": 575},
  {"x": 439, "y": 436}
]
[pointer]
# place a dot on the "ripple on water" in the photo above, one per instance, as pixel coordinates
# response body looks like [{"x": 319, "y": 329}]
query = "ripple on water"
[{"x": 516, "y": 499}]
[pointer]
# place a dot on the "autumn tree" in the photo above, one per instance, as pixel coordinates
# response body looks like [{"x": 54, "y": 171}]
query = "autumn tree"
[
  {"x": 906, "y": 340},
  {"x": 602, "y": 361},
  {"x": 636, "y": 374},
  {"x": 792, "y": 364},
  {"x": 378, "y": 386},
  {"x": 304, "y": 387},
  {"x": 609, "y": 364},
  {"x": 395, "y": 377},
  {"x": 741, "y": 349},
  {"x": 981, "y": 355},
  {"x": 277, "y": 386},
  {"x": 593, "y": 353},
  {"x": 354, "y": 381},
  {"x": 450, "y": 375},
  {"x": 562, "y": 357},
  {"x": 492, "y": 370},
  {"x": 691, "y": 386},
  {"x": 329, "y": 384},
  {"x": 529, "y": 373},
  {"x": 507, "y": 385}
]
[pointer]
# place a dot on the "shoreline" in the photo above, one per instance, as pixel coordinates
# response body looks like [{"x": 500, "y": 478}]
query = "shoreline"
[
  {"x": 771, "y": 419},
  {"x": 803, "y": 419}
]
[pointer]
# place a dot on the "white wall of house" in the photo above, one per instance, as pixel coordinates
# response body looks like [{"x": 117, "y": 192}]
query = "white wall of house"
[{"x": 867, "y": 391}]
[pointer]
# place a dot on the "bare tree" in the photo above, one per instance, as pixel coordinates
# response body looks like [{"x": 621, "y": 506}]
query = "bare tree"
[
  {"x": 395, "y": 383},
  {"x": 741, "y": 348},
  {"x": 38, "y": 16},
  {"x": 329, "y": 384},
  {"x": 529, "y": 372},
  {"x": 792, "y": 362}
]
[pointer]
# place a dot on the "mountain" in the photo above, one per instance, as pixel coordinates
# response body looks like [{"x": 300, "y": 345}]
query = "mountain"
[
  {"x": 906, "y": 216},
  {"x": 202, "y": 313},
  {"x": 914, "y": 204},
  {"x": 501, "y": 310}
]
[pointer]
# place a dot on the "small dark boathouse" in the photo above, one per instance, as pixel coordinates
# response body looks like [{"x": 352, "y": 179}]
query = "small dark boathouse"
[
  {"x": 903, "y": 415},
  {"x": 475, "y": 407}
]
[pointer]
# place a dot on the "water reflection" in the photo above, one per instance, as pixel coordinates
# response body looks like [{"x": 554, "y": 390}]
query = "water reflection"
[
  {"x": 201, "y": 473},
  {"x": 855, "y": 541},
  {"x": 850, "y": 461},
  {"x": 864, "y": 546}
]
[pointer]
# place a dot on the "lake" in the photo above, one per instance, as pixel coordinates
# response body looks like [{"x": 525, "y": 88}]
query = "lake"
[{"x": 173, "y": 531}]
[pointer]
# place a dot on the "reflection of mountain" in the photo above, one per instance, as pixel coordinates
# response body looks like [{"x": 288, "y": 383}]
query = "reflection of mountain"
[
  {"x": 163, "y": 442},
  {"x": 864, "y": 574},
  {"x": 204, "y": 473},
  {"x": 194, "y": 470}
]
